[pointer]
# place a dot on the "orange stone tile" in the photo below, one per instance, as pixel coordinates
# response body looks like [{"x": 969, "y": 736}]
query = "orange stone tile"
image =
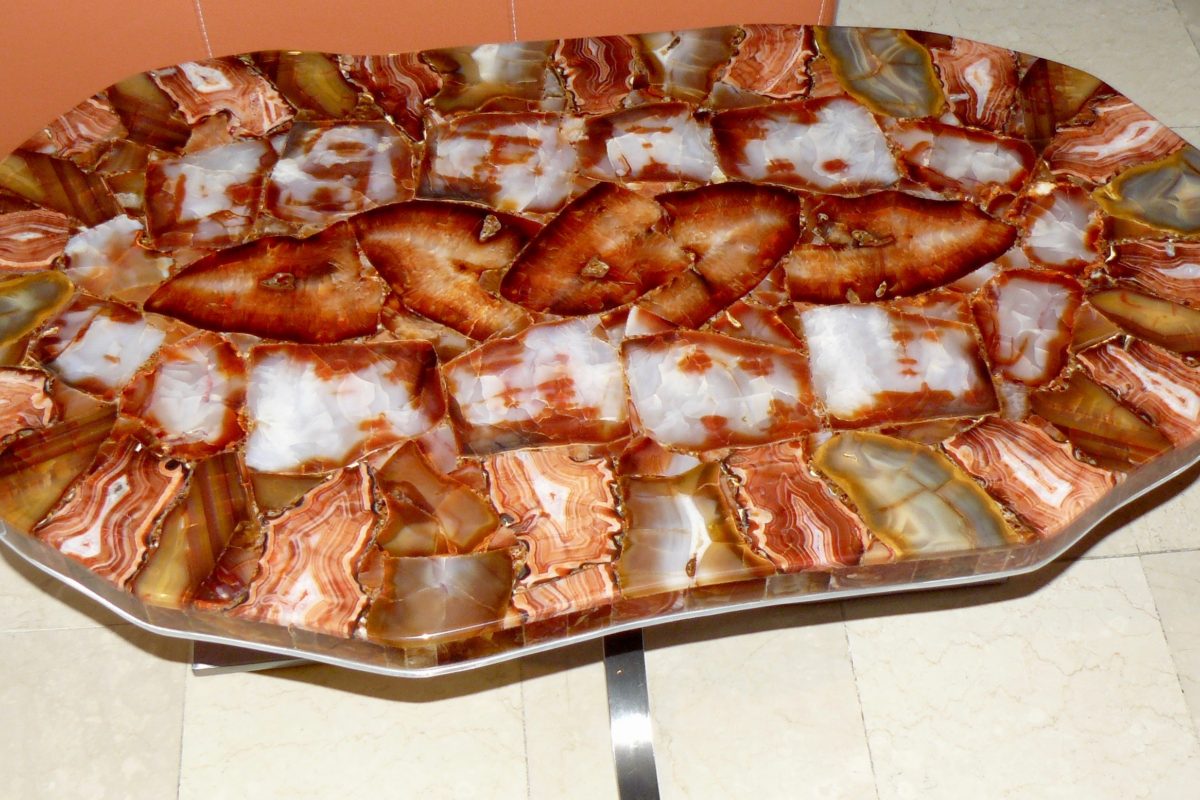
[
  {"x": 551, "y": 19},
  {"x": 362, "y": 27},
  {"x": 54, "y": 55}
]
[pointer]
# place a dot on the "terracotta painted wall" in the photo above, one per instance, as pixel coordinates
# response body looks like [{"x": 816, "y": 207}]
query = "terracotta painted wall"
[{"x": 54, "y": 54}]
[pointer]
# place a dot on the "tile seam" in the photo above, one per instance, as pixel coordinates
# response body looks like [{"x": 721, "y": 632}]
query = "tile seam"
[
  {"x": 862, "y": 713},
  {"x": 1170, "y": 650},
  {"x": 1075, "y": 559},
  {"x": 203, "y": 27},
  {"x": 1139, "y": 554},
  {"x": 512, "y": 16},
  {"x": 525, "y": 731},
  {"x": 1169, "y": 551},
  {"x": 1183, "y": 20},
  {"x": 182, "y": 728}
]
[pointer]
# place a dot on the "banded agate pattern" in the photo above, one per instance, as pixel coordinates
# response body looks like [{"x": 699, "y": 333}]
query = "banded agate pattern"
[{"x": 416, "y": 360}]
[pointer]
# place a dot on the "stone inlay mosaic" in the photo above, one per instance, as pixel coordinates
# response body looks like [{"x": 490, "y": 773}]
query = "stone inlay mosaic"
[{"x": 415, "y": 359}]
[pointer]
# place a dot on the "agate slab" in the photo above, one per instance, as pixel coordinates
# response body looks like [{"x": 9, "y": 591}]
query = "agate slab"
[{"x": 413, "y": 363}]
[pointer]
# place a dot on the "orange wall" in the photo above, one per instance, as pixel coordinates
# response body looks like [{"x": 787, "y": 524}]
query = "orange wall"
[{"x": 53, "y": 55}]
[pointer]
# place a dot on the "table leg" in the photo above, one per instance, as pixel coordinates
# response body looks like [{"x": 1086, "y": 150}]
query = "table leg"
[{"x": 629, "y": 716}]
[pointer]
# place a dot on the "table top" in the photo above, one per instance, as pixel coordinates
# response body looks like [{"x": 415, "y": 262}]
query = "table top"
[{"x": 1109, "y": 608}]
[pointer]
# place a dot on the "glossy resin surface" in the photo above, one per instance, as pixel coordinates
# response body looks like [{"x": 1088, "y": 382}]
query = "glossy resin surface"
[{"x": 415, "y": 362}]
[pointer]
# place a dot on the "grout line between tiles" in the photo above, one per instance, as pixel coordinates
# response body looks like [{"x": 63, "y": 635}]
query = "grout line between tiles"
[
  {"x": 1101, "y": 557},
  {"x": 1171, "y": 550},
  {"x": 1139, "y": 554},
  {"x": 821, "y": 13},
  {"x": 862, "y": 714},
  {"x": 512, "y": 16},
  {"x": 1170, "y": 649},
  {"x": 525, "y": 732},
  {"x": 1183, "y": 20},
  {"x": 182, "y": 731},
  {"x": 203, "y": 27}
]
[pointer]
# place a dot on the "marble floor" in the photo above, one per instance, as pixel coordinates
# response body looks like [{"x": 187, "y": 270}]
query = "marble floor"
[{"x": 1080, "y": 681}]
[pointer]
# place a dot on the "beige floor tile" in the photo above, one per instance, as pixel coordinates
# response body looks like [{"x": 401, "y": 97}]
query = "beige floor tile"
[
  {"x": 1175, "y": 581},
  {"x": 566, "y": 725},
  {"x": 1191, "y": 133},
  {"x": 1141, "y": 47},
  {"x": 1160, "y": 520},
  {"x": 1031, "y": 690},
  {"x": 90, "y": 713},
  {"x": 758, "y": 705},
  {"x": 1190, "y": 11},
  {"x": 31, "y": 600},
  {"x": 1167, "y": 517},
  {"x": 322, "y": 732},
  {"x": 1114, "y": 536}
]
